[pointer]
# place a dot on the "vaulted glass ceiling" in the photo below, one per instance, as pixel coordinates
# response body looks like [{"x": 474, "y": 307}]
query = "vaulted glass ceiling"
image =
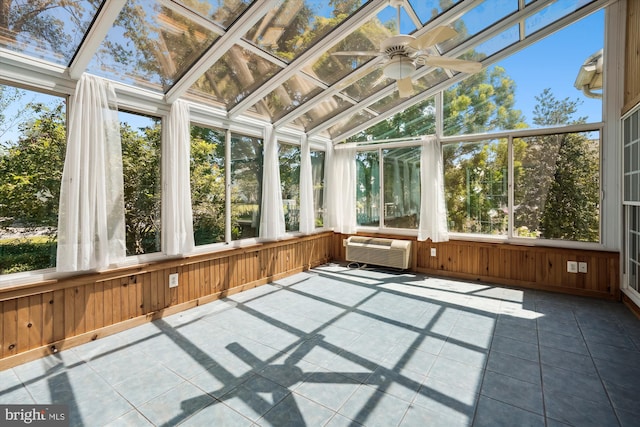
[{"x": 292, "y": 63}]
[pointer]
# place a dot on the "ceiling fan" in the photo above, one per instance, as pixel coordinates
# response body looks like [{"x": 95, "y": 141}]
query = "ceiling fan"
[{"x": 403, "y": 53}]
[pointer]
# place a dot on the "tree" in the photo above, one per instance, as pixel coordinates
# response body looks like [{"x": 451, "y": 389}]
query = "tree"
[
  {"x": 142, "y": 197},
  {"x": 557, "y": 189},
  {"x": 208, "y": 185}
]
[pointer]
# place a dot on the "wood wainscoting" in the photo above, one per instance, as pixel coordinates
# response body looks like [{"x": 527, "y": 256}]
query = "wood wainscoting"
[
  {"x": 543, "y": 268},
  {"x": 42, "y": 318}
]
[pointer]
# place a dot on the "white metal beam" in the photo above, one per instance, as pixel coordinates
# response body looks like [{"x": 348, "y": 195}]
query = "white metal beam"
[{"x": 103, "y": 22}]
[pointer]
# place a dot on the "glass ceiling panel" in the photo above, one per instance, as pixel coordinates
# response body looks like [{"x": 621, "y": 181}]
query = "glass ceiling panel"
[
  {"x": 368, "y": 85},
  {"x": 295, "y": 25},
  {"x": 478, "y": 19},
  {"x": 350, "y": 122},
  {"x": 150, "y": 46},
  {"x": 430, "y": 9},
  {"x": 294, "y": 92},
  {"x": 493, "y": 45},
  {"x": 330, "y": 67},
  {"x": 222, "y": 12},
  {"x": 235, "y": 75},
  {"x": 48, "y": 29},
  {"x": 550, "y": 14},
  {"x": 323, "y": 111}
]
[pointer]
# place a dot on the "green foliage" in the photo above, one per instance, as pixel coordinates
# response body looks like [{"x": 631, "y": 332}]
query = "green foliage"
[
  {"x": 27, "y": 254},
  {"x": 142, "y": 197}
]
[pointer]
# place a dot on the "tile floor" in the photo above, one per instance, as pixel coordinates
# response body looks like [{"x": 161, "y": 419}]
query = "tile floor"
[{"x": 338, "y": 346}]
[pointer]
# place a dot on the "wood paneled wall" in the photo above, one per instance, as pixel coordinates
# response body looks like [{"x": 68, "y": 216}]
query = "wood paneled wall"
[
  {"x": 632, "y": 56},
  {"x": 42, "y": 318},
  {"x": 537, "y": 267}
]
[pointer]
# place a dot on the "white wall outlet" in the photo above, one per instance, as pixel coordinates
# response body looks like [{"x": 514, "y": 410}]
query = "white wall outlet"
[
  {"x": 572, "y": 266},
  {"x": 433, "y": 251},
  {"x": 173, "y": 280},
  {"x": 582, "y": 267}
]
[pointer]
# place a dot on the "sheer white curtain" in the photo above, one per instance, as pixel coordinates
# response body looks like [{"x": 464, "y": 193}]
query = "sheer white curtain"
[
  {"x": 341, "y": 186},
  {"x": 177, "y": 230},
  {"x": 433, "y": 210},
  {"x": 272, "y": 225},
  {"x": 91, "y": 229},
  {"x": 307, "y": 215}
]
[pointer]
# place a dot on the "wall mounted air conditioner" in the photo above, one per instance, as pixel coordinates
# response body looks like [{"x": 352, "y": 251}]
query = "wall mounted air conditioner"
[{"x": 379, "y": 251}]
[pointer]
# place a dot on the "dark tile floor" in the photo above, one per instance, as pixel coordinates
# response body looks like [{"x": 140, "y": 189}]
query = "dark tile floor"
[{"x": 338, "y": 346}]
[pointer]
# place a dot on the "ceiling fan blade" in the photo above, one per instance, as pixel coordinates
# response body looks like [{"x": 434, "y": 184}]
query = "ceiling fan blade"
[
  {"x": 356, "y": 53},
  {"x": 405, "y": 87},
  {"x": 461, "y": 65},
  {"x": 433, "y": 37}
]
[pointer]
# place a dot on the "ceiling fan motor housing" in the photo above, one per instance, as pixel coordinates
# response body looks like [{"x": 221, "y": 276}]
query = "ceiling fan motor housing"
[{"x": 398, "y": 48}]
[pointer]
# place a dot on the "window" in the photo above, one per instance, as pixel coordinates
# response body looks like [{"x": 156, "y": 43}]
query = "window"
[
  {"x": 401, "y": 187},
  {"x": 476, "y": 187},
  {"x": 246, "y": 186},
  {"x": 208, "y": 184},
  {"x": 368, "y": 188},
  {"x": 32, "y": 149},
  {"x": 631, "y": 200},
  {"x": 317, "y": 171},
  {"x": 141, "y": 138},
  {"x": 289, "y": 156},
  {"x": 557, "y": 187}
]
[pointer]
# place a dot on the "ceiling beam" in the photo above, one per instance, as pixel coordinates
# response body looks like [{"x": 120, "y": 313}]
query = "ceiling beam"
[
  {"x": 234, "y": 33},
  {"x": 99, "y": 29}
]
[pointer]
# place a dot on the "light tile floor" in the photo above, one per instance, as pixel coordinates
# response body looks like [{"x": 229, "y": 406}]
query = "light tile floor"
[{"x": 338, "y": 346}]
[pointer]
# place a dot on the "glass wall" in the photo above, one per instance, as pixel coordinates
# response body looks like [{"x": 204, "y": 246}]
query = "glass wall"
[
  {"x": 317, "y": 171},
  {"x": 368, "y": 188},
  {"x": 557, "y": 187},
  {"x": 32, "y": 150},
  {"x": 476, "y": 187},
  {"x": 289, "y": 156},
  {"x": 401, "y": 187},
  {"x": 208, "y": 189},
  {"x": 141, "y": 148},
  {"x": 246, "y": 186}
]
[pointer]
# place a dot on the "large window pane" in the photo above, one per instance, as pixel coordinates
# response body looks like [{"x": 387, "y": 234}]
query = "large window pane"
[
  {"x": 246, "y": 186},
  {"x": 208, "y": 184},
  {"x": 289, "y": 156},
  {"x": 401, "y": 187},
  {"x": 557, "y": 187},
  {"x": 476, "y": 187},
  {"x": 32, "y": 150},
  {"x": 317, "y": 171},
  {"x": 368, "y": 188},
  {"x": 141, "y": 138}
]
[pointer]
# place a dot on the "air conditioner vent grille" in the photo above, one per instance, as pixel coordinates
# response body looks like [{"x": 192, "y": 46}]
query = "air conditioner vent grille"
[{"x": 378, "y": 251}]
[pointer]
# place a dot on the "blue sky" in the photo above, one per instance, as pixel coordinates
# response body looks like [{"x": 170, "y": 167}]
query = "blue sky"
[{"x": 554, "y": 62}]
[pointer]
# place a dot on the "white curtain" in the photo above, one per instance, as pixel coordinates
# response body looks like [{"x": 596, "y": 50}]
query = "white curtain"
[
  {"x": 177, "y": 231},
  {"x": 272, "y": 225},
  {"x": 307, "y": 215},
  {"x": 91, "y": 229},
  {"x": 433, "y": 211},
  {"x": 342, "y": 189}
]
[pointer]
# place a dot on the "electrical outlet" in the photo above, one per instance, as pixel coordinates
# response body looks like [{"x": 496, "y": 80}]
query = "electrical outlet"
[
  {"x": 173, "y": 280},
  {"x": 433, "y": 251},
  {"x": 572, "y": 266},
  {"x": 582, "y": 267}
]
